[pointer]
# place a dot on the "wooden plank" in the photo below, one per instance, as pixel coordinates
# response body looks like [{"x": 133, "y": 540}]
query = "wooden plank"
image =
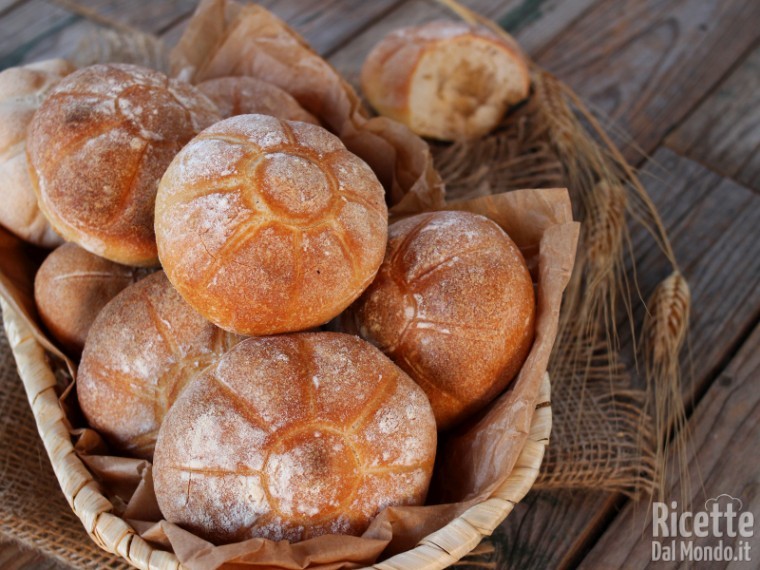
[
  {"x": 712, "y": 223},
  {"x": 326, "y": 24},
  {"x": 6, "y": 5},
  {"x": 725, "y": 437},
  {"x": 147, "y": 16},
  {"x": 647, "y": 63},
  {"x": 724, "y": 131},
  {"x": 37, "y": 29},
  {"x": 26, "y": 26}
]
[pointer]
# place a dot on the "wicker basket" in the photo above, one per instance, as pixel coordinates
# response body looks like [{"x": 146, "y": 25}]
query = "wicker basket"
[{"x": 113, "y": 534}]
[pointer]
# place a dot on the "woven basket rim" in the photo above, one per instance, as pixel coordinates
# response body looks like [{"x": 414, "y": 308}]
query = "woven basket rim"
[{"x": 111, "y": 533}]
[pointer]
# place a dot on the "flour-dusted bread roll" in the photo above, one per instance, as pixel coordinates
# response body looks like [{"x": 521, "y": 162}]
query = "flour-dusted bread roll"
[
  {"x": 97, "y": 148},
  {"x": 269, "y": 226},
  {"x": 22, "y": 90},
  {"x": 144, "y": 347},
  {"x": 72, "y": 286},
  {"x": 291, "y": 437},
  {"x": 248, "y": 95},
  {"x": 445, "y": 80},
  {"x": 453, "y": 305}
]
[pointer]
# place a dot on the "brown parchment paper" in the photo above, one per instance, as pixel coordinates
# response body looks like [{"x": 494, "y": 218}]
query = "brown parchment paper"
[
  {"x": 224, "y": 38},
  {"x": 471, "y": 463}
]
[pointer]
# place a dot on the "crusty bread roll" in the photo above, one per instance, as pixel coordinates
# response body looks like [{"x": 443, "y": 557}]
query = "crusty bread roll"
[
  {"x": 248, "y": 95},
  {"x": 453, "y": 305},
  {"x": 22, "y": 90},
  {"x": 269, "y": 226},
  {"x": 143, "y": 348},
  {"x": 291, "y": 437},
  {"x": 445, "y": 80},
  {"x": 97, "y": 148},
  {"x": 72, "y": 286}
]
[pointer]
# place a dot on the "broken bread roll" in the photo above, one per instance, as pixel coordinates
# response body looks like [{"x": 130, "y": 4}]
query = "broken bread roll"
[
  {"x": 22, "y": 90},
  {"x": 72, "y": 286},
  {"x": 453, "y": 306},
  {"x": 267, "y": 226},
  {"x": 445, "y": 80},
  {"x": 97, "y": 148},
  {"x": 291, "y": 437},
  {"x": 248, "y": 95},
  {"x": 142, "y": 350}
]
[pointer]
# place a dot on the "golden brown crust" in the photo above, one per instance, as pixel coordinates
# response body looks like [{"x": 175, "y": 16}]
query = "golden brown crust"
[
  {"x": 465, "y": 96},
  {"x": 291, "y": 437},
  {"x": 72, "y": 286},
  {"x": 268, "y": 226},
  {"x": 248, "y": 95},
  {"x": 97, "y": 148},
  {"x": 144, "y": 346},
  {"x": 452, "y": 305},
  {"x": 22, "y": 90}
]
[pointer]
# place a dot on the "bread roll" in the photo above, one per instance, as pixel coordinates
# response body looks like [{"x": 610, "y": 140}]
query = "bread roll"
[
  {"x": 97, "y": 148},
  {"x": 247, "y": 95},
  {"x": 72, "y": 286},
  {"x": 453, "y": 306},
  {"x": 445, "y": 80},
  {"x": 269, "y": 226},
  {"x": 292, "y": 437},
  {"x": 22, "y": 90},
  {"x": 143, "y": 348}
]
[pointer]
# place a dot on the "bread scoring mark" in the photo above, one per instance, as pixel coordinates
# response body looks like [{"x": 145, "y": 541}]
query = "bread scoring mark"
[
  {"x": 309, "y": 459},
  {"x": 233, "y": 397},
  {"x": 374, "y": 403},
  {"x": 394, "y": 468},
  {"x": 121, "y": 379},
  {"x": 294, "y": 186},
  {"x": 93, "y": 275},
  {"x": 245, "y": 232}
]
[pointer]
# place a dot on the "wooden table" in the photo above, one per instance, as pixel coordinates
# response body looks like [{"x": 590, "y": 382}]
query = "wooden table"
[{"x": 681, "y": 80}]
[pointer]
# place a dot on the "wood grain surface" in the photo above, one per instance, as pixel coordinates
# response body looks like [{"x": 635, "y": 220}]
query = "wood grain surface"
[
  {"x": 647, "y": 63},
  {"x": 724, "y": 131}
]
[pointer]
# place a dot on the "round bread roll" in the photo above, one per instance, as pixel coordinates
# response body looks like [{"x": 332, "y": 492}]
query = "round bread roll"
[
  {"x": 452, "y": 305},
  {"x": 292, "y": 437},
  {"x": 247, "y": 95},
  {"x": 269, "y": 226},
  {"x": 97, "y": 148},
  {"x": 72, "y": 286},
  {"x": 22, "y": 90},
  {"x": 143, "y": 348},
  {"x": 445, "y": 80}
]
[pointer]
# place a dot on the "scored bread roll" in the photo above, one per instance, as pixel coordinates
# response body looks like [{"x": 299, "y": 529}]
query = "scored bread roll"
[
  {"x": 453, "y": 306},
  {"x": 248, "y": 95},
  {"x": 97, "y": 148},
  {"x": 267, "y": 226},
  {"x": 445, "y": 80},
  {"x": 291, "y": 437},
  {"x": 22, "y": 90},
  {"x": 144, "y": 347},
  {"x": 71, "y": 287}
]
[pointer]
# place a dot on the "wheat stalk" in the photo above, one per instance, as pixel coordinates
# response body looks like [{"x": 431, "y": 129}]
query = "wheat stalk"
[{"x": 664, "y": 334}]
